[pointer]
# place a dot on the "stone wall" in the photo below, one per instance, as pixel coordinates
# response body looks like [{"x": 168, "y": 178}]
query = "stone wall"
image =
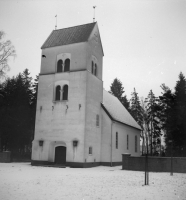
[
  {"x": 155, "y": 164},
  {"x": 5, "y": 157}
]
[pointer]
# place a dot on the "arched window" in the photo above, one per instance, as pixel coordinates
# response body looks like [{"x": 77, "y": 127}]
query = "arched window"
[
  {"x": 67, "y": 65},
  {"x": 90, "y": 151},
  {"x": 127, "y": 141},
  {"x": 65, "y": 92},
  {"x": 116, "y": 140},
  {"x": 136, "y": 143},
  {"x": 92, "y": 67},
  {"x": 59, "y": 66},
  {"x": 58, "y": 88},
  {"x": 95, "y": 70},
  {"x": 97, "y": 120}
]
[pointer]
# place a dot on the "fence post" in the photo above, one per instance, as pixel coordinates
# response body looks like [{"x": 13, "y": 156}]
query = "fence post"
[{"x": 146, "y": 170}]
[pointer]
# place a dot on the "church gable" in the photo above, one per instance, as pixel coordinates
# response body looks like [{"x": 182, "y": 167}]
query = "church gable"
[
  {"x": 95, "y": 38},
  {"x": 95, "y": 53}
]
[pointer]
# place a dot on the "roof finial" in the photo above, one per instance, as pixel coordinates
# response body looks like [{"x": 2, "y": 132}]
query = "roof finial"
[
  {"x": 94, "y": 13},
  {"x": 56, "y": 22}
]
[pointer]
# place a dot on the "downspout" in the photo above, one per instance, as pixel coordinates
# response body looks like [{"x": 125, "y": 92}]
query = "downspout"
[{"x": 111, "y": 146}]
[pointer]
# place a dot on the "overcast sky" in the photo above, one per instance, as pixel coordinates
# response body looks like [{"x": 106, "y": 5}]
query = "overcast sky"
[{"x": 144, "y": 41}]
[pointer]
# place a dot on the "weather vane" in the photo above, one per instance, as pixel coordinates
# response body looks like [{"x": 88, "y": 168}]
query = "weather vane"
[
  {"x": 56, "y": 22},
  {"x": 94, "y": 13}
]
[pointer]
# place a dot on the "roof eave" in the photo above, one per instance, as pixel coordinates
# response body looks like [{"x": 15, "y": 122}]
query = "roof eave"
[
  {"x": 46, "y": 40},
  {"x": 110, "y": 116}
]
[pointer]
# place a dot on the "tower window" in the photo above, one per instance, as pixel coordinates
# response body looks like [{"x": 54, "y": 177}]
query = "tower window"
[
  {"x": 95, "y": 70},
  {"x": 58, "y": 89},
  {"x": 90, "y": 151},
  {"x": 136, "y": 144},
  {"x": 97, "y": 120},
  {"x": 127, "y": 141},
  {"x": 59, "y": 66},
  {"x": 67, "y": 65},
  {"x": 92, "y": 67},
  {"x": 65, "y": 92},
  {"x": 116, "y": 140}
]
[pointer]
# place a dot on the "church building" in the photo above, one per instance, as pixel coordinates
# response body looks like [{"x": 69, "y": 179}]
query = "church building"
[{"x": 78, "y": 123}]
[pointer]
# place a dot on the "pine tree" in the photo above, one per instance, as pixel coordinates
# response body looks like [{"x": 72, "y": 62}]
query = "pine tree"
[
  {"x": 173, "y": 116},
  {"x": 166, "y": 102},
  {"x": 34, "y": 104},
  {"x": 154, "y": 121},
  {"x": 179, "y": 130},
  {"x": 145, "y": 128},
  {"x": 117, "y": 90},
  {"x": 138, "y": 114},
  {"x": 135, "y": 109},
  {"x": 27, "y": 82},
  {"x": 15, "y": 110},
  {"x": 35, "y": 89}
]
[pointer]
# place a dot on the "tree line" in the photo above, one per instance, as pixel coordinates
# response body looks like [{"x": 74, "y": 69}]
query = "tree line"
[
  {"x": 162, "y": 119},
  {"x": 18, "y": 98}
]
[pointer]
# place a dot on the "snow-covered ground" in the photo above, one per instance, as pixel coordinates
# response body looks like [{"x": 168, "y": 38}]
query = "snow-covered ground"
[{"x": 21, "y": 181}]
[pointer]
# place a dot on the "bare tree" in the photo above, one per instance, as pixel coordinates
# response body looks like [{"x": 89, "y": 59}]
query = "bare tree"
[{"x": 7, "y": 50}]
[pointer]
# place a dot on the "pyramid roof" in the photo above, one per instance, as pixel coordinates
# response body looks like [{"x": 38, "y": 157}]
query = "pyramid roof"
[{"x": 69, "y": 35}]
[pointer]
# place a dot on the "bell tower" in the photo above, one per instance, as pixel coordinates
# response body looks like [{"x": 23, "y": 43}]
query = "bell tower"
[{"x": 70, "y": 92}]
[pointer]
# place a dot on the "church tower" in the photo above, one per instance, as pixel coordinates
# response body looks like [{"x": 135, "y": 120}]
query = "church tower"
[{"x": 70, "y": 93}]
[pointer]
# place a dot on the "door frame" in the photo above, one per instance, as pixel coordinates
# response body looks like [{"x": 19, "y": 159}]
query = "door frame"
[{"x": 55, "y": 153}]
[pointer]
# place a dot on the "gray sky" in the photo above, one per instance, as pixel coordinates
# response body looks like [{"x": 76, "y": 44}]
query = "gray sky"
[{"x": 144, "y": 41}]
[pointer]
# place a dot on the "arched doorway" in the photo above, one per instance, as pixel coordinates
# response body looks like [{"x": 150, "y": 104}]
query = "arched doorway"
[{"x": 60, "y": 155}]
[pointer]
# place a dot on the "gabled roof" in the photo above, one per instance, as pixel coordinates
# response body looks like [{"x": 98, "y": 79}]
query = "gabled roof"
[
  {"x": 116, "y": 111},
  {"x": 70, "y": 35}
]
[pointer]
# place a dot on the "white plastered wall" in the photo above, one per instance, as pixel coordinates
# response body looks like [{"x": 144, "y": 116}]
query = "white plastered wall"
[
  {"x": 76, "y": 53},
  {"x": 123, "y": 131},
  {"x": 111, "y": 127},
  {"x": 105, "y": 137},
  {"x": 61, "y": 122},
  {"x": 94, "y": 94}
]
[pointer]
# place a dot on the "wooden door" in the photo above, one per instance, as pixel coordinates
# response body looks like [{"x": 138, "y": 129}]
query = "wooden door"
[{"x": 60, "y": 155}]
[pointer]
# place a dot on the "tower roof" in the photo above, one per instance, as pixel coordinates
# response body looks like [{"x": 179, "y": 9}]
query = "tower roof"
[
  {"x": 116, "y": 111},
  {"x": 69, "y": 35}
]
